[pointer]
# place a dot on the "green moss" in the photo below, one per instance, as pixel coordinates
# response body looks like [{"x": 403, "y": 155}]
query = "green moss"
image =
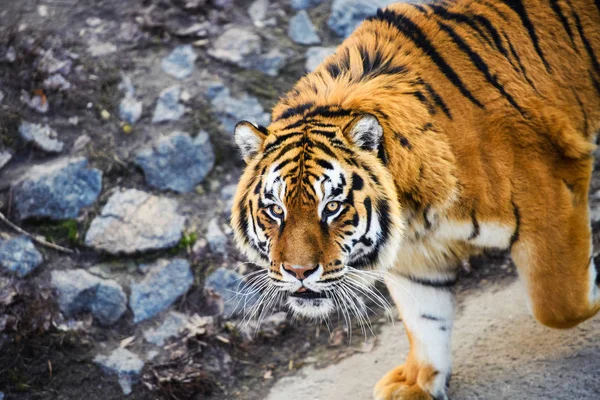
[{"x": 63, "y": 231}]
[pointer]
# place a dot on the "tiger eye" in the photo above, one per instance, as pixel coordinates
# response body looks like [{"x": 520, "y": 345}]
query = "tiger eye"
[
  {"x": 333, "y": 206},
  {"x": 277, "y": 210}
]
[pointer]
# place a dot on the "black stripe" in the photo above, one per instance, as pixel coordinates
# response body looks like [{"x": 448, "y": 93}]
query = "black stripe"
[
  {"x": 441, "y": 284},
  {"x": 426, "y": 222},
  {"x": 564, "y": 21},
  {"x": 327, "y": 134},
  {"x": 322, "y": 147},
  {"x": 437, "y": 99},
  {"x": 424, "y": 100},
  {"x": 329, "y": 112},
  {"x": 519, "y": 8},
  {"x": 333, "y": 69},
  {"x": 460, "y": 18},
  {"x": 517, "y": 213},
  {"x": 296, "y": 110},
  {"x": 296, "y": 124},
  {"x": 586, "y": 43},
  {"x": 432, "y": 318},
  {"x": 475, "y": 232},
  {"x": 280, "y": 139},
  {"x": 479, "y": 64},
  {"x": 324, "y": 164},
  {"x": 410, "y": 30},
  {"x": 521, "y": 66},
  {"x": 586, "y": 125}
]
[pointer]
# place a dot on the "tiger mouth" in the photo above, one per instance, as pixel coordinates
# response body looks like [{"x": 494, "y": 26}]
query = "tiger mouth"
[{"x": 308, "y": 294}]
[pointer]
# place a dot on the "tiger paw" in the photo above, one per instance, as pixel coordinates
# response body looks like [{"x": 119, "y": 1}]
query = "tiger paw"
[{"x": 412, "y": 383}]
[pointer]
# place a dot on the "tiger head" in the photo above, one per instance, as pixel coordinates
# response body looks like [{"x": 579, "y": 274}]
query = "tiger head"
[{"x": 315, "y": 205}]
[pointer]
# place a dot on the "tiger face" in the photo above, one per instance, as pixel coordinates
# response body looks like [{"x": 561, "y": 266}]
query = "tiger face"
[{"x": 314, "y": 206}]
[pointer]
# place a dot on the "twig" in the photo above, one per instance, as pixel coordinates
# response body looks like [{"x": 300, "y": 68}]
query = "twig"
[{"x": 36, "y": 239}]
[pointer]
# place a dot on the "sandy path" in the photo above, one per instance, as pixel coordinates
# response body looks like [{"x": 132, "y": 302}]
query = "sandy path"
[{"x": 500, "y": 352}]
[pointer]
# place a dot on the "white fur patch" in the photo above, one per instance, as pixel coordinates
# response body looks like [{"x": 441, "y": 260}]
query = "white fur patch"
[
  {"x": 428, "y": 313},
  {"x": 247, "y": 140},
  {"x": 491, "y": 234},
  {"x": 594, "y": 293},
  {"x": 367, "y": 133}
]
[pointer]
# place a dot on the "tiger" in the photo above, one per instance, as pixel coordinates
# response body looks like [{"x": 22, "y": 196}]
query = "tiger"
[{"x": 434, "y": 132}]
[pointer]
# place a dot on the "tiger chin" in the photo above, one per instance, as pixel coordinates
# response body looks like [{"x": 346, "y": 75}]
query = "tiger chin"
[{"x": 434, "y": 132}]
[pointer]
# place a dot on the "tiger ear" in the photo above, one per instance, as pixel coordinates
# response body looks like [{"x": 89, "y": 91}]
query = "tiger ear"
[
  {"x": 366, "y": 132},
  {"x": 249, "y": 139}
]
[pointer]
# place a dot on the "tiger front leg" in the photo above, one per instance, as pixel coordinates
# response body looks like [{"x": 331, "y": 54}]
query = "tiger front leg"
[{"x": 427, "y": 310}]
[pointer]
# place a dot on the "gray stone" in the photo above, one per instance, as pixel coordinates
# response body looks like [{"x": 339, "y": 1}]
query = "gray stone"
[
  {"x": 57, "y": 189},
  {"x": 217, "y": 240},
  {"x": 80, "y": 291},
  {"x": 126, "y": 86},
  {"x": 57, "y": 82},
  {"x": 180, "y": 63},
  {"x": 301, "y": 29},
  {"x": 165, "y": 282},
  {"x": 130, "y": 109},
  {"x": 50, "y": 64},
  {"x": 1, "y": 395},
  {"x": 36, "y": 102},
  {"x": 19, "y": 256},
  {"x": 168, "y": 107},
  {"x": 125, "y": 364},
  {"x": 304, "y": 4},
  {"x": 258, "y": 12},
  {"x": 315, "y": 56},
  {"x": 5, "y": 158},
  {"x": 230, "y": 110},
  {"x": 239, "y": 46},
  {"x": 97, "y": 48},
  {"x": 271, "y": 62},
  {"x": 172, "y": 325},
  {"x": 346, "y": 15},
  {"x": 233, "y": 289},
  {"x": 42, "y": 136},
  {"x": 177, "y": 162},
  {"x": 135, "y": 221}
]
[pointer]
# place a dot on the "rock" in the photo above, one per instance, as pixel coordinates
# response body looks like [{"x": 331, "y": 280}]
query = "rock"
[
  {"x": 5, "y": 158},
  {"x": 301, "y": 29},
  {"x": 180, "y": 63},
  {"x": 1, "y": 96},
  {"x": 125, "y": 364},
  {"x": 79, "y": 291},
  {"x": 222, "y": 4},
  {"x": 57, "y": 82},
  {"x": 168, "y": 107},
  {"x": 49, "y": 64},
  {"x": 57, "y": 189},
  {"x": 233, "y": 289},
  {"x": 270, "y": 326},
  {"x": 258, "y": 11},
  {"x": 315, "y": 56},
  {"x": 130, "y": 109},
  {"x": 164, "y": 283},
  {"x": 173, "y": 324},
  {"x": 239, "y": 46},
  {"x": 1, "y": 395},
  {"x": 42, "y": 137},
  {"x": 134, "y": 221},
  {"x": 346, "y": 15},
  {"x": 126, "y": 86},
  {"x": 19, "y": 256},
  {"x": 304, "y": 4},
  {"x": 230, "y": 110},
  {"x": 37, "y": 102},
  {"x": 177, "y": 162},
  {"x": 100, "y": 49},
  {"x": 271, "y": 62},
  {"x": 217, "y": 241}
]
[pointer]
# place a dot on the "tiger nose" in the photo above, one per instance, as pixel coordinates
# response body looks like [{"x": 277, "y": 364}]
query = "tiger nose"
[{"x": 299, "y": 271}]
